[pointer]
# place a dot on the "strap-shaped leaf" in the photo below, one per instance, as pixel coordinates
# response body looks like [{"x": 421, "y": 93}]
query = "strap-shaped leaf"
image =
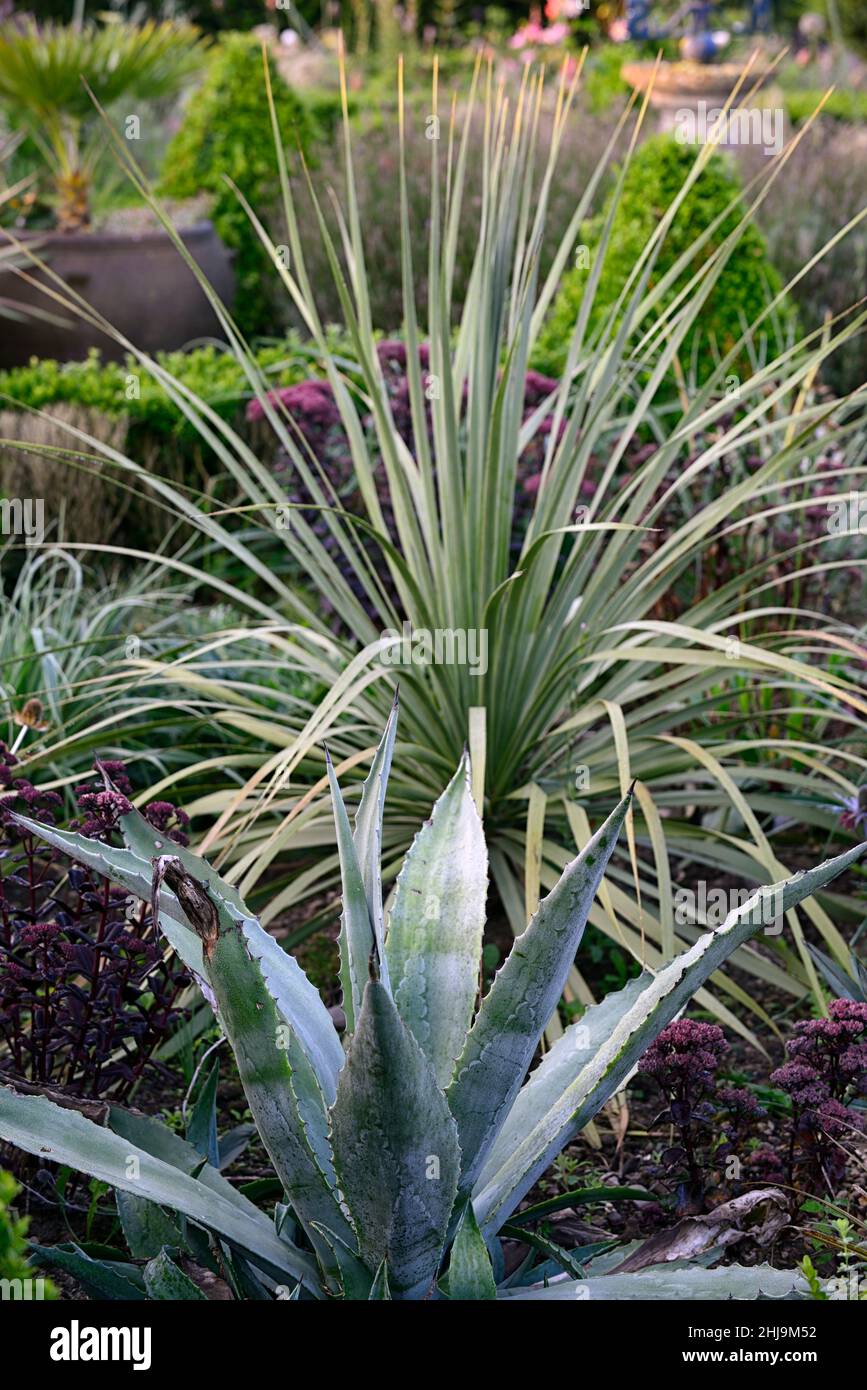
[
  {"x": 132, "y": 868},
  {"x": 662, "y": 1282},
  {"x": 58, "y": 1135},
  {"x": 844, "y": 985},
  {"x": 630, "y": 1020},
  {"x": 524, "y": 995},
  {"x": 436, "y": 924},
  {"x": 471, "y": 1274},
  {"x": 281, "y": 1088},
  {"x": 367, "y": 836},
  {"x": 395, "y": 1148},
  {"x": 356, "y": 929}
]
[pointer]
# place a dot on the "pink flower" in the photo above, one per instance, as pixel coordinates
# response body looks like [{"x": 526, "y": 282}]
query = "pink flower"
[{"x": 554, "y": 34}]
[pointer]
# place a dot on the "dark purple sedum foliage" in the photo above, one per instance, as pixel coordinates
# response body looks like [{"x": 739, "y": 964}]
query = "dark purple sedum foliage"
[
  {"x": 826, "y": 1069},
  {"x": 712, "y": 1122},
  {"x": 88, "y": 991},
  {"x": 824, "y": 1072}
]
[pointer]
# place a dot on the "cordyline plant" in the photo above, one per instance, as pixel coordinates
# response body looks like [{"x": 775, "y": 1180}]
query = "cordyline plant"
[
  {"x": 50, "y": 73},
  {"x": 403, "y": 1156},
  {"x": 587, "y": 686}
]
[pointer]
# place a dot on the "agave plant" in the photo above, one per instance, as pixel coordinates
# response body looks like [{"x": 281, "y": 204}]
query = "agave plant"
[
  {"x": 51, "y": 73},
  {"x": 723, "y": 713},
  {"x": 404, "y": 1152}
]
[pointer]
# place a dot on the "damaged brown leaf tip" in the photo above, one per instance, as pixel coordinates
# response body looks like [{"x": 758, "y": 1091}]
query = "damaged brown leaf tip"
[{"x": 193, "y": 896}]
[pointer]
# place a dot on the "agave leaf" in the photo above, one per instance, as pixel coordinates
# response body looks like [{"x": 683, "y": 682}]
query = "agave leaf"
[
  {"x": 146, "y": 1227},
  {"x": 471, "y": 1275},
  {"x": 164, "y": 1280},
  {"x": 356, "y": 929},
  {"x": 102, "y": 1279},
  {"x": 632, "y": 1019},
  {"x": 436, "y": 925},
  {"x": 297, "y": 999},
  {"x": 281, "y": 1089},
  {"x": 367, "y": 836},
  {"x": 379, "y": 1289},
  {"x": 147, "y": 843},
  {"x": 162, "y": 1143},
  {"x": 731, "y": 1281},
  {"x": 355, "y": 1278},
  {"x": 395, "y": 1148},
  {"x": 125, "y": 867},
  {"x": 202, "y": 1126},
  {"x": 58, "y": 1135},
  {"x": 521, "y": 1000},
  {"x": 571, "y": 1052},
  {"x": 299, "y": 1005}
]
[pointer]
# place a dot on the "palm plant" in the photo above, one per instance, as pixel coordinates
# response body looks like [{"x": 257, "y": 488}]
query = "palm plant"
[
  {"x": 403, "y": 1157},
  {"x": 51, "y": 73},
  {"x": 724, "y": 712},
  {"x": 10, "y": 197}
]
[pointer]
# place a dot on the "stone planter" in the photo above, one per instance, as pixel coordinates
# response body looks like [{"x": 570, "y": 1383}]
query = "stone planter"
[
  {"x": 137, "y": 280},
  {"x": 684, "y": 85}
]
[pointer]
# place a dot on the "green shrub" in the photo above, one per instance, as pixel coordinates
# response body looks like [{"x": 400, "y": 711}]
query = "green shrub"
[
  {"x": 13, "y": 1241},
  {"x": 655, "y": 176},
  {"x": 227, "y": 134},
  {"x": 122, "y": 388},
  {"x": 842, "y": 105},
  {"x": 602, "y": 83}
]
